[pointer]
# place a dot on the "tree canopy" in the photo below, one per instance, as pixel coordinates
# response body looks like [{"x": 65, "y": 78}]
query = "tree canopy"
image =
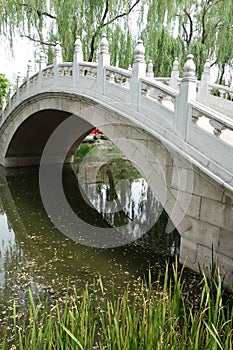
[
  {"x": 169, "y": 28},
  {"x": 4, "y": 85}
]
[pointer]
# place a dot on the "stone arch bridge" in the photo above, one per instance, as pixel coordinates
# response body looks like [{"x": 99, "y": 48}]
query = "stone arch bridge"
[{"x": 178, "y": 134}]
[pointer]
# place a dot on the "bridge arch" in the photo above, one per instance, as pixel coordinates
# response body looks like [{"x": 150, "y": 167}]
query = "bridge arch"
[
  {"x": 199, "y": 208},
  {"x": 40, "y": 115}
]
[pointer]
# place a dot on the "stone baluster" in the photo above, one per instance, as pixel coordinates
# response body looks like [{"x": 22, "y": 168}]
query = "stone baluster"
[
  {"x": 42, "y": 61},
  {"x": 138, "y": 71},
  {"x": 42, "y": 65},
  {"x": 173, "y": 83},
  {"x": 187, "y": 93},
  {"x": 29, "y": 73},
  {"x": 150, "y": 70},
  {"x": 10, "y": 94},
  {"x": 19, "y": 81},
  {"x": 3, "y": 103},
  {"x": 78, "y": 57},
  {"x": 128, "y": 79},
  {"x": 57, "y": 59},
  {"x": 3, "y": 108},
  {"x": 103, "y": 60},
  {"x": 203, "y": 90}
]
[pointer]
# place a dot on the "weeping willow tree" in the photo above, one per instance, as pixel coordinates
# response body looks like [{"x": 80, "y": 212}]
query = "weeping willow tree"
[
  {"x": 201, "y": 27},
  {"x": 4, "y": 85},
  {"x": 169, "y": 28},
  {"x": 47, "y": 22}
]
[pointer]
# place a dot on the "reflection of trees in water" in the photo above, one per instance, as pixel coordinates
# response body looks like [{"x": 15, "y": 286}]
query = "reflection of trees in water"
[
  {"x": 120, "y": 204},
  {"x": 159, "y": 240},
  {"x": 44, "y": 259}
]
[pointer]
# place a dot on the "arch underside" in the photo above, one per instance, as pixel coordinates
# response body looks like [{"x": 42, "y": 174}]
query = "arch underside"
[{"x": 28, "y": 142}]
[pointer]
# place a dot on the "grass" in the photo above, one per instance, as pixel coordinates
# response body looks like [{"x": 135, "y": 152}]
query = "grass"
[
  {"x": 154, "y": 317},
  {"x": 82, "y": 151}
]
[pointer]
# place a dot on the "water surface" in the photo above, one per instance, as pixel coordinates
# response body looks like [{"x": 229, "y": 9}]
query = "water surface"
[{"x": 35, "y": 254}]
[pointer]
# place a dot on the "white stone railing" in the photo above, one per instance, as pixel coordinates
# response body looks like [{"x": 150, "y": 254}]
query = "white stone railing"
[
  {"x": 224, "y": 91},
  {"x": 158, "y": 104},
  {"x": 48, "y": 72},
  {"x": 88, "y": 69},
  {"x": 216, "y": 121},
  {"x": 158, "y": 91},
  {"x": 118, "y": 76}
]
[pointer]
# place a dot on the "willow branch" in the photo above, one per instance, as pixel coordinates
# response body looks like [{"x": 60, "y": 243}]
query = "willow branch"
[
  {"x": 96, "y": 31},
  {"x": 121, "y": 15},
  {"x": 104, "y": 24},
  {"x": 37, "y": 40},
  {"x": 40, "y": 14}
]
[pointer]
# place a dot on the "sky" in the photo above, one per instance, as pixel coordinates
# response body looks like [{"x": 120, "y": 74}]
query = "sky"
[{"x": 12, "y": 62}]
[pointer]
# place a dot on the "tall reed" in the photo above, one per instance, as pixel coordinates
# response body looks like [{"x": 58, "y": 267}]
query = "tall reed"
[{"x": 153, "y": 317}]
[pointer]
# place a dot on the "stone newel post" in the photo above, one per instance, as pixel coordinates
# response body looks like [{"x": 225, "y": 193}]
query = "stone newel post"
[
  {"x": 3, "y": 103},
  {"x": 138, "y": 71},
  {"x": 57, "y": 59},
  {"x": 42, "y": 62},
  {"x": 175, "y": 75},
  {"x": 19, "y": 81},
  {"x": 29, "y": 73},
  {"x": 10, "y": 94},
  {"x": 150, "y": 70},
  {"x": 78, "y": 57},
  {"x": 3, "y": 109},
  {"x": 78, "y": 51},
  {"x": 104, "y": 60},
  {"x": 187, "y": 93},
  {"x": 203, "y": 90}
]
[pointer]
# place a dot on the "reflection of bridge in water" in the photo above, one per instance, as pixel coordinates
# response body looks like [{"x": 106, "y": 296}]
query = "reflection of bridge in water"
[{"x": 174, "y": 130}]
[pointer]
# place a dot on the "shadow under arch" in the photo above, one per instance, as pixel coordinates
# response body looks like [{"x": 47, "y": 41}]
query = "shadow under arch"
[{"x": 33, "y": 133}]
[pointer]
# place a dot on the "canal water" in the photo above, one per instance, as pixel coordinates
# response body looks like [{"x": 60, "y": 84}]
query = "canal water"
[{"x": 35, "y": 254}]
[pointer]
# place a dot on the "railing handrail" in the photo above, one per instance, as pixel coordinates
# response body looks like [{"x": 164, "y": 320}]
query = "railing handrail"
[
  {"x": 154, "y": 83},
  {"x": 124, "y": 72},
  {"x": 88, "y": 64},
  {"x": 221, "y": 87},
  {"x": 212, "y": 114},
  {"x": 65, "y": 64}
]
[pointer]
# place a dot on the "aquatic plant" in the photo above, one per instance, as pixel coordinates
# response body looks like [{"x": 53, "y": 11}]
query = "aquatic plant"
[{"x": 154, "y": 317}]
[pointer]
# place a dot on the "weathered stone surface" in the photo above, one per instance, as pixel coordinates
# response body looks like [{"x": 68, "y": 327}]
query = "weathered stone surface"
[
  {"x": 188, "y": 252},
  {"x": 228, "y": 222},
  {"x": 212, "y": 212},
  {"x": 205, "y": 256},
  {"x": 161, "y": 153},
  {"x": 223, "y": 263},
  {"x": 190, "y": 203},
  {"x": 203, "y": 233},
  {"x": 228, "y": 198},
  {"x": 226, "y": 243},
  {"x": 205, "y": 187},
  {"x": 182, "y": 179}
]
